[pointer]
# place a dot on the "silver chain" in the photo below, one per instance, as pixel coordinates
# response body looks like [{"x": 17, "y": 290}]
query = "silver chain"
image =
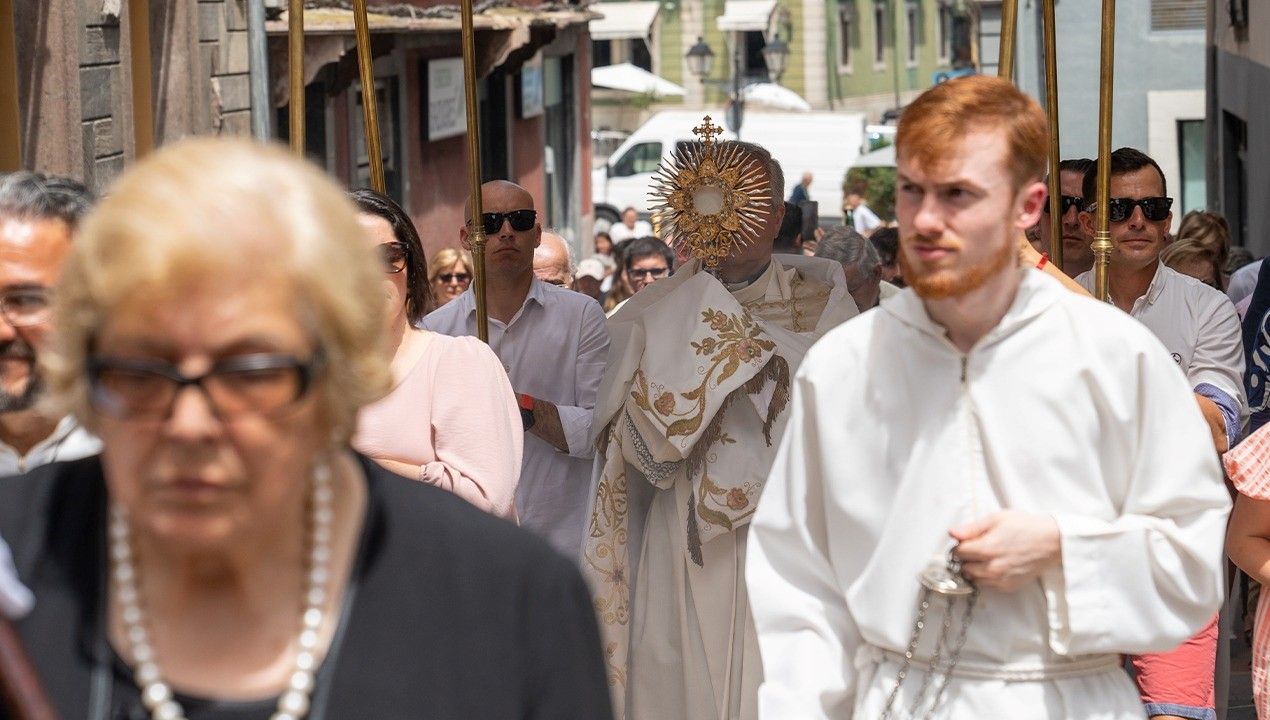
[{"x": 953, "y": 568}]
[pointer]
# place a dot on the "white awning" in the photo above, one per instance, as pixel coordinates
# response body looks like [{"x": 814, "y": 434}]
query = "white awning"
[
  {"x": 633, "y": 79},
  {"x": 746, "y": 14},
  {"x": 623, "y": 20}
]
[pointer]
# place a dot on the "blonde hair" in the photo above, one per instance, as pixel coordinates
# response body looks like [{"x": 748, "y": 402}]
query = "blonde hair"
[
  {"x": 1208, "y": 229},
  {"x": 200, "y": 211},
  {"x": 1182, "y": 251},
  {"x": 447, "y": 258}
]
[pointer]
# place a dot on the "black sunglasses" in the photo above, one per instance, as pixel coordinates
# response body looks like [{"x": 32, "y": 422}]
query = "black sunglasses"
[
  {"x": 521, "y": 220},
  {"x": 393, "y": 256},
  {"x": 1066, "y": 202},
  {"x": 451, "y": 277},
  {"x": 1154, "y": 209}
]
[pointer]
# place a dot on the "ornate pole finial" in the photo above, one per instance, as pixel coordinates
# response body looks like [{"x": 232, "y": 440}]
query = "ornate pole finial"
[{"x": 707, "y": 131}]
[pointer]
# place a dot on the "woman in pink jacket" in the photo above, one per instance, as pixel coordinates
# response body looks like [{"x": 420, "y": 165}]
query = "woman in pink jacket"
[{"x": 451, "y": 418}]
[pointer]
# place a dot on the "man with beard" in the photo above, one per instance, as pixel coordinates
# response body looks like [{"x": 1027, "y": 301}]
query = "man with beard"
[
  {"x": 38, "y": 215},
  {"x": 991, "y": 487}
]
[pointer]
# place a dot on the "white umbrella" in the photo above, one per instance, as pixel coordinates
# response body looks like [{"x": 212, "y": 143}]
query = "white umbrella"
[
  {"x": 775, "y": 97},
  {"x": 634, "y": 79},
  {"x": 882, "y": 157}
]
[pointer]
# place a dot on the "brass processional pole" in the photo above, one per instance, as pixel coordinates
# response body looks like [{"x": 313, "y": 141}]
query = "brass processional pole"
[
  {"x": 295, "y": 73},
  {"x": 1051, "y": 109},
  {"x": 1009, "y": 30},
  {"x": 476, "y": 229},
  {"x": 370, "y": 117},
  {"x": 139, "y": 49},
  {"x": 1102, "y": 234},
  {"x": 10, "y": 114}
]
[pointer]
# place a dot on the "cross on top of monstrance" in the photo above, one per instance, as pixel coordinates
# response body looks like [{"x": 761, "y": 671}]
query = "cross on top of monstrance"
[{"x": 707, "y": 131}]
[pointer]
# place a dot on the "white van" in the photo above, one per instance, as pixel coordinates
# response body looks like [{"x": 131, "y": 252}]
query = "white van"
[{"x": 823, "y": 143}]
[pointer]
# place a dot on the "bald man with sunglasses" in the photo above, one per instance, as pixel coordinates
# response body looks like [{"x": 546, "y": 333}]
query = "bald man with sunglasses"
[
  {"x": 1199, "y": 327},
  {"x": 554, "y": 346}
]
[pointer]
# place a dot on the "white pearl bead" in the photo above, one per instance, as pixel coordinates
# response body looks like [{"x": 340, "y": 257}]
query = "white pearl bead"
[
  {"x": 321, "y": 534},
  {"x": 131, "y": 614},
  {"x": 323, "y": 516},
  {"x": 296, "y": 703},
  {"x": 321, "y": 554},
  {"x": 124, "y": 573},
  {"x": 118, "y": 529},
  {"x": 283, "y": 716},
  {"x": 316, "y": 597},
  {"x": 169, "y": 711},
  {"x": 306, "y": 661},
  {"x": 302, "y": 681},
  {"x": 312, "y": 618},
  {"x": 137, "y": 635},
  {"x": 155, "y": 694},
  {"x": 318, "y": 575},
  {"x": 128, "y": 595},
  {"x": 323, "y": 495},
  {"x": 147, "y": 672},
  {"x": 308, "y": 640},
  {"x": 142, "y": 652},
  {"x": 121, "y": 551}
]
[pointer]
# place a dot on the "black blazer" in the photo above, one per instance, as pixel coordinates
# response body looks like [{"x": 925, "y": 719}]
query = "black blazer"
[{"x": 450, "y": 613}]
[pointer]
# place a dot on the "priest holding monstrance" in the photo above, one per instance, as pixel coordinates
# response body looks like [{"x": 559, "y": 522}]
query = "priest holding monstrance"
[
  {"x": 990, "y": 488},
  {"x": 688, "y": 417}
]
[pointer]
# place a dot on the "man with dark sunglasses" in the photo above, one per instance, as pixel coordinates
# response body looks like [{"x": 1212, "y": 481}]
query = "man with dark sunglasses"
[
  {"x": 1077, "y": 257},
  {"x": 1199, "y": 327},
  {"x": 553, "y": 344}
]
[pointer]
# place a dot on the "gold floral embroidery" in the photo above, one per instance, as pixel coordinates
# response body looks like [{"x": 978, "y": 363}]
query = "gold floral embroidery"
[{"x": 737, "y": 339}]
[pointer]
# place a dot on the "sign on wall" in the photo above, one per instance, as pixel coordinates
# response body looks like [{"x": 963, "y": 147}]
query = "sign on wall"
[
  {"x": 447, "y": 108},
  {"x": 531, "y": 91}
]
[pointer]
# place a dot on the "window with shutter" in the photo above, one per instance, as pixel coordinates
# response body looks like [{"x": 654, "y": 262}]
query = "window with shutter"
[{"x": 1177, "y": 15}]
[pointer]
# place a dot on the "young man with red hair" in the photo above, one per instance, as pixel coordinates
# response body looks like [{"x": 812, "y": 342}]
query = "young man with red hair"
[{"x": 990, "y": 488}]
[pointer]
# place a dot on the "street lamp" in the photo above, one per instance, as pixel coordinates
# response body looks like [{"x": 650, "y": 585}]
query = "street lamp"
[
  {"x": 700, "y": 59},
  {"x": 776, "y": 57}
]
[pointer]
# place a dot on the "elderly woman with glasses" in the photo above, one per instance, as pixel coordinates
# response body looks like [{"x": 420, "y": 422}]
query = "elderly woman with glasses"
[
  {"x": 220, "y": 323},
  {"x": 467, "y": 442},
  {"x": 451, "y": 274}
]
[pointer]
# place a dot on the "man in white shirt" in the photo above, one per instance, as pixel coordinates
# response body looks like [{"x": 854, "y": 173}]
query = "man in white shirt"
[
  {"x": 630, "y": 228},
  {"x": 1199, "y": 327},
  {"x": 38, "y": 215},
  {"x": 554, "y": 345},
  {"x": 987, "y": 432},
  {"x": 864, "y": 220}
]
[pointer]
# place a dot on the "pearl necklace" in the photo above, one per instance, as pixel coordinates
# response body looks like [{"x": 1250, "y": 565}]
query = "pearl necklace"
[{"x": 156, "y": 694}]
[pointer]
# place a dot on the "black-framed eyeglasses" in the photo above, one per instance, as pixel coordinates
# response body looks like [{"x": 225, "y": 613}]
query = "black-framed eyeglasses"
[
  {"x": 1066, "y": 202},
  {"x": 1154, "y": 209},
  {"x": 448, "y": 278},
  {"x": 521, "y": 220},
  {"x": 656, "y": 273},
  {"x": 263, "y": 383},
  {"x": 22, "y": 307},
  {"x": 393, "y": 256}
]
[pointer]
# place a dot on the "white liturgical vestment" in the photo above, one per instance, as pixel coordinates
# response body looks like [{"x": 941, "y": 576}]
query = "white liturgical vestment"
[
  {"x": 1066, "y": 408},
  {"x": 689, "y": 415}
]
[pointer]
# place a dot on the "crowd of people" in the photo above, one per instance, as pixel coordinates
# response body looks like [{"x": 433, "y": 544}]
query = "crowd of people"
[{"x": 261, "y": 466}]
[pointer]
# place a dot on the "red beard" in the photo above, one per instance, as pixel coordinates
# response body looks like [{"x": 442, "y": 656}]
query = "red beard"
[{"x": 941, "y": 283}]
